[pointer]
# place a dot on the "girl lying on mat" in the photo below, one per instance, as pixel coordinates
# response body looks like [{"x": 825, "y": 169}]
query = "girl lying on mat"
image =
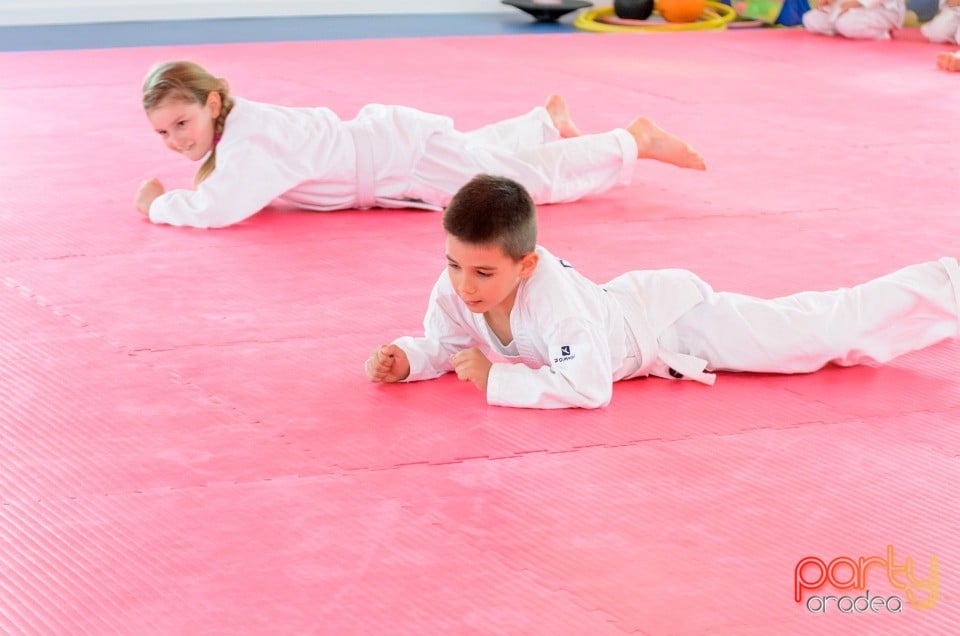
[
  {"x": 565, "y": 340},
  {"x": 388, "y": 156}
]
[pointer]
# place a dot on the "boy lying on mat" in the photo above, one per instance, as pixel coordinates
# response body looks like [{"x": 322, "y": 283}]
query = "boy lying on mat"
[
  {"x": 388, "y": 156},
  {"x": 568, "y": 339}
]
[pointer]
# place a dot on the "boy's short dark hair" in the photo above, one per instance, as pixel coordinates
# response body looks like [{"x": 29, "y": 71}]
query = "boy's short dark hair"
[{"x": 492, "y": 210}]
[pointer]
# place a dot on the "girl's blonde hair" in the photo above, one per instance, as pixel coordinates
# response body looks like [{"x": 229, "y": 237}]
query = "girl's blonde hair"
[{"x": 188, "y": 82}]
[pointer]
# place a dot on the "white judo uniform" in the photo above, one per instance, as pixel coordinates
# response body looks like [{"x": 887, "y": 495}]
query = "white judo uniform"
[
  {"x": 945, "y": 26},
  {"x": 573, "y": 338},
  {"x": 874, "y": 20},
  {"x": 388, "y": 156}
]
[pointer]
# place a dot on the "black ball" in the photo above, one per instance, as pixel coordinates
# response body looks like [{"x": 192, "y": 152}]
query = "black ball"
[{"x": 633, "y": 9}]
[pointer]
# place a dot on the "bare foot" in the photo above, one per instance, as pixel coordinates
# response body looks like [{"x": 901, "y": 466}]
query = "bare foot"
[
  {"x": 655, "y": 143},
  {"x": 557, "y": 109},
  {"x": 948, "y": 61}
]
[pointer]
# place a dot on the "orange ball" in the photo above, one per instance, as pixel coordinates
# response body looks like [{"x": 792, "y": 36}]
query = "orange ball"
[{"x": 681, "y": 10}]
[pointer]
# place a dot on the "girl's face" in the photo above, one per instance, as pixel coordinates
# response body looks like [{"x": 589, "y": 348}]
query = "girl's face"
[{"x": 186, "y": 127}]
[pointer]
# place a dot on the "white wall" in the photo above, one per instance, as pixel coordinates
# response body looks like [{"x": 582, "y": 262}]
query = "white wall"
[{"x": 20, "y": 12}]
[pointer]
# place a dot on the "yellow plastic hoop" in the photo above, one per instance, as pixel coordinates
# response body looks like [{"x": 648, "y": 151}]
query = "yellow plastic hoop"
[{"x": 715, "y": 16}]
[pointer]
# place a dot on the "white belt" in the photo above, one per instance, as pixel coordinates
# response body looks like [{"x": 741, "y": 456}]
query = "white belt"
[
  {"x": 680, "y": 366},
  {"x": 657, "y": 357},
  {"x": 366, "y": 169}
]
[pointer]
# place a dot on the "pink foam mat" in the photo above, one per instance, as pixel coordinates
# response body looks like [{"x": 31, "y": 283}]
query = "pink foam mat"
[{"x": 188, "y": 443}]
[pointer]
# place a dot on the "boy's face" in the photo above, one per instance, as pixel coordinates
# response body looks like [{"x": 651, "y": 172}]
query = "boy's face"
[
  {"x": 484, "y": 277},
  {"x": 185, "y": 127}
]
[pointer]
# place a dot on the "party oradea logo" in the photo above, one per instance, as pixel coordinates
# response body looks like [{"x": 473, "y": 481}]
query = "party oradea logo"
[{"x": 894, "y": 584}]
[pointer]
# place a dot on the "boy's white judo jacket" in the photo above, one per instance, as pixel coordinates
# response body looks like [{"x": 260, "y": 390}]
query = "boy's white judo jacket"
[{"x": 575, "y": 338}]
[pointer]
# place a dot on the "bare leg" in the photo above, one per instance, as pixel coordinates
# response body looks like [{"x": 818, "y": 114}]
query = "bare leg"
[
  {"x": 655, "y": 143},
  {"x": 557, "y": 109},
  {"x": 948, "y": 61}
]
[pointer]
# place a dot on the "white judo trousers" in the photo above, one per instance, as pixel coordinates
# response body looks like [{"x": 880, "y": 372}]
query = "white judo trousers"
[
  {"x": 529, "y": 150},
  {"x": 870, "y": 323},
  {"x": 874, "y": 21},
  {"x": 945, "y": 26}
]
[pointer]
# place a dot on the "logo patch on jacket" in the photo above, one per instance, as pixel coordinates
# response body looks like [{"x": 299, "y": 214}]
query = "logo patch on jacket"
[{"x": 565, "y": 353}]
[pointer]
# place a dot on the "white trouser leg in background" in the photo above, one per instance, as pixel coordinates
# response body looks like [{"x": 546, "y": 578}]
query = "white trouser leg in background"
[
  {"x": 875, "y": 322},
  {"x": 944, "y": 27},
  {"x": 534, "y": 128},
  {"x": 559, "y": 171},
  {"x": 860, "y": 24},
  {"x": 867, "y": 24},
  {"x": 819, "y": 22}
]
